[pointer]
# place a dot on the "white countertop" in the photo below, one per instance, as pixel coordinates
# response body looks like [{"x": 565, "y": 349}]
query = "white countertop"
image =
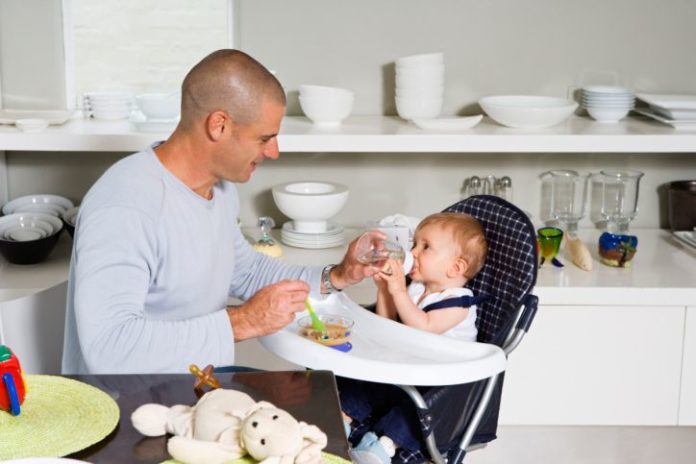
[
  {"x": 635, "y": 134},
  {"x": 663, "y": 274}
]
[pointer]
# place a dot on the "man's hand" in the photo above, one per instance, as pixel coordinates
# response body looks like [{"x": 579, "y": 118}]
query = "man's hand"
[
  {"x": 269, "y": 310},
  {"x": 351, "y": 271}
]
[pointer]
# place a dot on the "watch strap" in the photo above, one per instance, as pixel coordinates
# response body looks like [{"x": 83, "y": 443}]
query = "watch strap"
[{"x": 326, "y": 279}]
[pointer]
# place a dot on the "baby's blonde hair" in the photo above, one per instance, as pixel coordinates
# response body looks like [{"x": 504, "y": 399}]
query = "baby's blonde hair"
[{"x": 467, "y": 232}]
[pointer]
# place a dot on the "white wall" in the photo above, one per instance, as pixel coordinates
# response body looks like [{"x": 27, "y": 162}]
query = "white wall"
[
  {"x": 490, "y": 46},
  {"x": 500, "y": 46},
  {"x": 143, "y": 45},
  {"x": 380, "y": 183}
]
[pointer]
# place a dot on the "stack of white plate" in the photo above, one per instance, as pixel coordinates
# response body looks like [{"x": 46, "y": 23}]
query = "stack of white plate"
[
  {"x": 678, "y": 111},
  {"x": 420, "y": 85},
  {"x": 41, "y": 203},
  {"x": 333, "y": 237},
  {"x": 108, "y": 105},
  {"x": 607, "y": 103}
]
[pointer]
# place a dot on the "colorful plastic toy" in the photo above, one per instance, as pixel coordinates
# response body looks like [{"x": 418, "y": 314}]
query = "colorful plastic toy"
[
  {"x": 12, "y": 386},
  {"x": 617, "y": 250}
]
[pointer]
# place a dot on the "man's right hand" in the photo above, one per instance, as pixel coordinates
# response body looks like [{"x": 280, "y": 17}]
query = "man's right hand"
[{"x": 269, "y": 310}]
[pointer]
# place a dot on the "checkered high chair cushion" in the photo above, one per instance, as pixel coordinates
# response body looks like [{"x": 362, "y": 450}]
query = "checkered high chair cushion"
[{"x": 510, "y": 270}]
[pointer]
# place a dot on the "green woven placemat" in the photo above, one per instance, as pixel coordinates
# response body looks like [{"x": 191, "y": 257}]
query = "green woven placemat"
[
  {"x": 328, "y": 459},
  {"x": 59, "y": 416}
]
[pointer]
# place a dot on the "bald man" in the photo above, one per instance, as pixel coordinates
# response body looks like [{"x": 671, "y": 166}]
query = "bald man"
[{"x": 157, "y": 249}]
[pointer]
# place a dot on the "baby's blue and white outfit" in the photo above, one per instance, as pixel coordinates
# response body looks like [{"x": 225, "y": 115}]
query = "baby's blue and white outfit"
[
  {"x": 465, "y": 330},
  {"x": 386, "y": 409}
]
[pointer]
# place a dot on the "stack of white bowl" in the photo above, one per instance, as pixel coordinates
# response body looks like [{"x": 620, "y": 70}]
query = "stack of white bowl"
[
  {"x": 54, "y": 205},
  {"x": 327, "y": 106},
  {"x": 108, "y": 105},
  {"x": 420, "y": 85},
  {"x": 607, "y": 103}
]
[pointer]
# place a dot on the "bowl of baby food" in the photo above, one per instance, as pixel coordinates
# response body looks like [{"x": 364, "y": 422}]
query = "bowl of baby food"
[{"x": 338, "y": 329}]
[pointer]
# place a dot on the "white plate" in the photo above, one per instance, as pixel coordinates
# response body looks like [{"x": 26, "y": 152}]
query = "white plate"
[
  {"x": 331, "y": 229},
  {"x": 677, "y": 124},
  {"x": 448, "y": 124},
  {"x": 315, "y": 246},
  {"x": 669, "y": 101},
  {"x": 682, "y": 115},
  {"x": 686, "y": 236},
  {"x": 52, "y": 116},
  {"x": 333, "y": 242}
]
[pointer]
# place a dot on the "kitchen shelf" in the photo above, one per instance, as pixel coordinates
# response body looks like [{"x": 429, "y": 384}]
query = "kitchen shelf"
[
  {"x": 385, "y": 134},
  {"x": 662, "y": 274}
]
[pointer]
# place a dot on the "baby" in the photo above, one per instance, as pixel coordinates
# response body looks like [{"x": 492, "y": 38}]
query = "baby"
[{"x": 448, "y": 250}]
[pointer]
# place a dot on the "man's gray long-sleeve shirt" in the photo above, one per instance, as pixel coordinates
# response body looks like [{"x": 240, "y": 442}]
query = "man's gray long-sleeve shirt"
[{"x": 152, "y": 267}]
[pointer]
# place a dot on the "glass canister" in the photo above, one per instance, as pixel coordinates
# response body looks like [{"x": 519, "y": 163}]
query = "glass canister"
[
  {"x": 617, "y": 193},
  {"x": 563, "y": 196}
]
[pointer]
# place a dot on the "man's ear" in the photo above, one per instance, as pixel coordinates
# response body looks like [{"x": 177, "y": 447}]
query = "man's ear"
[
  {"x": 458, "y": 268},
  {"x": 216, "y": 124}
]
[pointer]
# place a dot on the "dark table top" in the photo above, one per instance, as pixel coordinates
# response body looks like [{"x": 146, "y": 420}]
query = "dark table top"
[{"x": 310, "y": 396}]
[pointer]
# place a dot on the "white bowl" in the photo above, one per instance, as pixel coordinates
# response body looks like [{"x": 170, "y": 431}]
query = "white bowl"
[
  {"x": 26, "y": 224},
  {"x": 70, "y": 216},
  {"x": 423, "y": 59},
  {"x": 159, "y": 105},
  {"x": 527, "y": 111},
  {"x": 31, "y": 125},
  {"x": 418, "y": 108},
  {"x": 310, "y": 203},
  {"x": 52, "y": 204},
  {"x": 328, "y": 110},
  {"x": 606, "y": 89},
  {"x": 607, "y": 114},
  {"x": 323, "y": 91},
  {"x": 448, "y": 124}
]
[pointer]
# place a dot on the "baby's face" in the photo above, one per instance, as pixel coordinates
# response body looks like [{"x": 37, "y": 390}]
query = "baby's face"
[{"x": 434, "y": 251}]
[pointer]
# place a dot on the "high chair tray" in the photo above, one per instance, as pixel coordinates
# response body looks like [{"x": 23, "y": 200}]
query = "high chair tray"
[{"x": 386, "y": 351}]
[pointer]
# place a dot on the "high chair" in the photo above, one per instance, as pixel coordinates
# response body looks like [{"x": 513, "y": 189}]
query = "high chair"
[{"x": 455, "y": 385}]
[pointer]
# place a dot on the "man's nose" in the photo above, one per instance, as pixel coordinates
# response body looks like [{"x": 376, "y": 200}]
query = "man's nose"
[{"x": 271, "y": 150}]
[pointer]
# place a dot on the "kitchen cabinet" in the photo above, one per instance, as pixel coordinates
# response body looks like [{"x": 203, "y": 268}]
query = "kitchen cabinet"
[
  {"x": 597, "y": 365},
  {"x": 687, "y": 404}
]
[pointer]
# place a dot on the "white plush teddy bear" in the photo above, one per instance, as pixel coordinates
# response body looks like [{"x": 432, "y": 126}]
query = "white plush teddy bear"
[{"x": 227, "y": 424}]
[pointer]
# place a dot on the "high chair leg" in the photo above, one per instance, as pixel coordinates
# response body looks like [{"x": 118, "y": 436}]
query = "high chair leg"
[{"x": 424, "y": 414}]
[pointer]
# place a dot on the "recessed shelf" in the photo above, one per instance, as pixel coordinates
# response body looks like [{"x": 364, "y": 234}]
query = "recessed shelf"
[{"x": 385, "y": 134}]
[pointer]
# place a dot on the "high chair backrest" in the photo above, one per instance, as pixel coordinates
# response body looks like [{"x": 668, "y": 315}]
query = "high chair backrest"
[{"x": 510, "y": 270}]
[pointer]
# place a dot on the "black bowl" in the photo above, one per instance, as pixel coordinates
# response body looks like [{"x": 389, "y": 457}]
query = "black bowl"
[{"x": 30, "y": 252}]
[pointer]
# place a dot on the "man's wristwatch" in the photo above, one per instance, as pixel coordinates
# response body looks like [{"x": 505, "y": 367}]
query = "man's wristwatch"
[{"x": 326, "y": 279}]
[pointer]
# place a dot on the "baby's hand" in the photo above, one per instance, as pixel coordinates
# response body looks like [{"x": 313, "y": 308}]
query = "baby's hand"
[{"x": 393, "y": 274}]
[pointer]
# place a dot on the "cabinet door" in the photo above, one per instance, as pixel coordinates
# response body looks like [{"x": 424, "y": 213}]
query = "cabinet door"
[
  {"x": 609, "y": 365},
  {"x": 33, "y": 328},
  {"x": 687, "y": 405}
]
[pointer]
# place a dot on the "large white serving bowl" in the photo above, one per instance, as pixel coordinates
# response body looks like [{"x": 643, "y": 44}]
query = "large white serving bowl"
[
  {"x": 527, "y": 111},
  {"x": 310, "y": 203},
  {"x": 40, "y": 203},
  {"x": 328, "y": 110},
  {"x": 159, "y": 105}
]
